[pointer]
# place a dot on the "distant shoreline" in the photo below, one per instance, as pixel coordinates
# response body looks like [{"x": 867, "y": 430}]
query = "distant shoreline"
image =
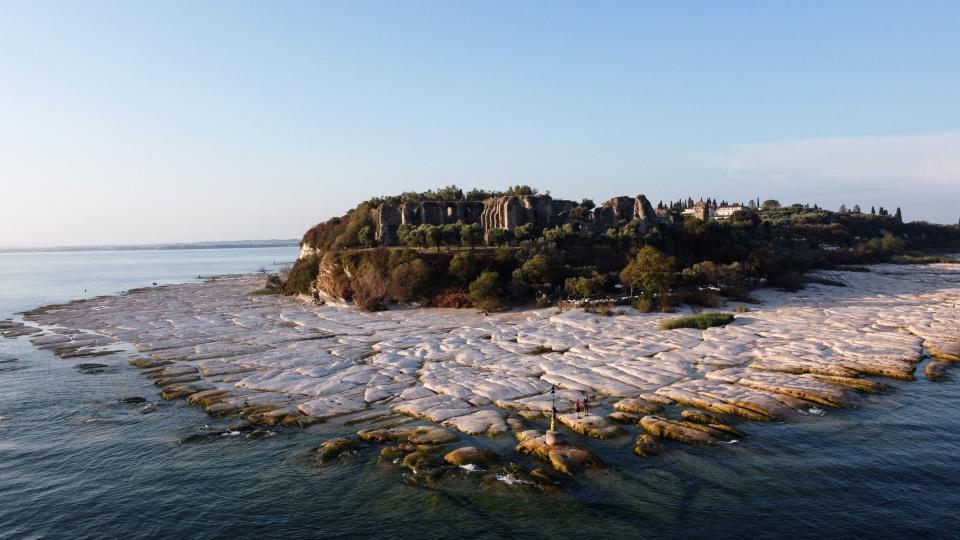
[{"x": 158, "y": 247}]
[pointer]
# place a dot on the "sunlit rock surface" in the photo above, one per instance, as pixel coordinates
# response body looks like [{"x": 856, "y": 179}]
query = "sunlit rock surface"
[{"x": 277, "y": 360}]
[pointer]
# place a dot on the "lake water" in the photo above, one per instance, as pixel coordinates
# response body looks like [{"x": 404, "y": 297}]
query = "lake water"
[{"x": 75, "y": 463}]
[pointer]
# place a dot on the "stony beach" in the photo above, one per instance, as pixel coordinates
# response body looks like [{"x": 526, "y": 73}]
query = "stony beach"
[{"x": 419, "y": 380}]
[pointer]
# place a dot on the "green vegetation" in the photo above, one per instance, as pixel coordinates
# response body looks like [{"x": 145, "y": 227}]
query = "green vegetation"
[
  {"x": 701, "y": 321},
  {"x": 301, "y": 275},
  {"x": 681, "y": 259},
  {"x": 485, "y": 291}
]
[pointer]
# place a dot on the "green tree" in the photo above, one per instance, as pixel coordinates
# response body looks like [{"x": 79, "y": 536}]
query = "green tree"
[
  {"x": 651, "y": 271},
  {"x": 471, "y": 235},
  {"x": 463, "y": 267},
  {"x": 409, "y": 280},
  {"x": 771, "y": 204},
  {"x": 365, "y": 236},
  {"x": 585, "y": 286},
  {"x": 451, "y": 235},
  {"x": 434, "y": 236},
  {"x": 762, "y": 262},
  {"x": 537, "y": 272},
  {"x": 524, "y": 232},
  {"x": 486, "y": 293},
  {"x": 498, "y": 237}
]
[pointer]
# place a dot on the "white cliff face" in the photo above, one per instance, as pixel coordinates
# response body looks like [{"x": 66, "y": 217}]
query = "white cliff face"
[
  {"x": 307, "y": 251},
  {"x": 280, "y": 360}
]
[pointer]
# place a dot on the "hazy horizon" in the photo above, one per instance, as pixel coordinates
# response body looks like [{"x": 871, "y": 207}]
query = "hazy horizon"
[{"x": 180, "y": 122}]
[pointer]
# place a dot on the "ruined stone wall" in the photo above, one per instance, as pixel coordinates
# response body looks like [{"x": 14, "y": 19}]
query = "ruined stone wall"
[{"x": 508, "y": 212}]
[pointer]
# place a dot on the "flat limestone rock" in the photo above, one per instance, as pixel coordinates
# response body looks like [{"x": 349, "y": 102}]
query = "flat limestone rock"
[
  {"x": 482, "y": 421},
  {"x": 470, "y": 455},
  {"x": 565, "y": 458},
  {"x": 287, "y": 362},
  {"x": 637, "y": 406},
  {"x": 679, "y": 430},
  {"x": 625, "y": 417},
  {"x": 415, "y": 435},
  {"x": 591, "y": 425}
]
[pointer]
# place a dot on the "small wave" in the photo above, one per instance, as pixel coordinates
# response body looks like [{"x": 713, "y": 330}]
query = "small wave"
[
  {"x": 732, "y": 441},
  {"x": 470, "y": 467},
  {"x": 510, "y": 480},
  {"x": 230, "y": 434},
  {"x": 817, "y": 411}
]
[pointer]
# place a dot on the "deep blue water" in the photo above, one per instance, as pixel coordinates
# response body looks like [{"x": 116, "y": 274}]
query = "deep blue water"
[{"x": 74, "y": 463}]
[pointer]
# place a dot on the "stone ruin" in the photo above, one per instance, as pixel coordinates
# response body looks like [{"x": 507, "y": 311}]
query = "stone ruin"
[{"x": 509, "y": 212}]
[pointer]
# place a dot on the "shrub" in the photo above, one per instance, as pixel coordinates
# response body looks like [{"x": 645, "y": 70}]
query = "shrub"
[
  {"x": 643, "y": 304},
  {"x": 463, "y": 267},
  {"x": 301, "y": 275},
  {"x": 369, "y": 289},
  {"x": 409, "y": 280},
  {"x": 585, "y": 286},
  {"x": 485, "y": 292},
  {"x": 701, "y": 321},
  {"x": 742, "y": 309},
  {"x": 449, "y": 299}
]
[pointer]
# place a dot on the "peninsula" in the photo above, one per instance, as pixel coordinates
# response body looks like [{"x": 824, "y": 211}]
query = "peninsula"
[{"x": 685, "y": 323}]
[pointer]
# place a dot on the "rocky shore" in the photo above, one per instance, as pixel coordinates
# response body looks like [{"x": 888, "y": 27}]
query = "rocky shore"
[{"x": 416, "y": 382}]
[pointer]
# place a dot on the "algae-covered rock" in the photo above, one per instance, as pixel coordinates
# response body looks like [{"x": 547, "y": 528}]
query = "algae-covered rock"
[
  {"x": 391, "y": 453},
  {"x": 625, "y": 417},
  {"x": 418, "y": 460},
  {"x": 678, "y": 430},
  {"x": 469, "y": 455},
  {"x": 528, "y": 434},
  {"x": 332, "y": 448},
  {"x": 431, "y": 435},
  {"x": 947, "y": 350},
  {"x": 936, "y": 370},
  {"x": 699, "y": 417},
  {"x": 637, "y": 406},
  {"x": 571, "y": 459},
  {"x": 646, "y": 446},
  {"x": 565, "y": 458}
]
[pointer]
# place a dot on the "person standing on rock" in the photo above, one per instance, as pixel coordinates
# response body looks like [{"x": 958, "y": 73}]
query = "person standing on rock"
[
  {"x": 586, "y": 405},
  {"x": 577, "y": 405}
]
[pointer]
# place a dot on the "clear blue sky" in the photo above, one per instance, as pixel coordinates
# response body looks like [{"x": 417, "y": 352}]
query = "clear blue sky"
[{"x": 129, "y": 122}]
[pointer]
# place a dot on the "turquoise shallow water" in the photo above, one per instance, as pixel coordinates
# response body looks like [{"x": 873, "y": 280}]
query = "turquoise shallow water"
[{"x": 74, "y": 463}]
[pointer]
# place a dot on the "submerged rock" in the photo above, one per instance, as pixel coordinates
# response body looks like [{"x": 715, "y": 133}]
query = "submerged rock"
[
  {"x": 936, "y": 370},
  {"x": 646, "y": 446},
  {"x": 418, "y": 460},
  {"x": 332, "y": 448},
  {"x": 132, "y": 399}
]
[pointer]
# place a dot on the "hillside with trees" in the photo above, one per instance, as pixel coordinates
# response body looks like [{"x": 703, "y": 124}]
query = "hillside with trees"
[{"x": 680, "y": 258}]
